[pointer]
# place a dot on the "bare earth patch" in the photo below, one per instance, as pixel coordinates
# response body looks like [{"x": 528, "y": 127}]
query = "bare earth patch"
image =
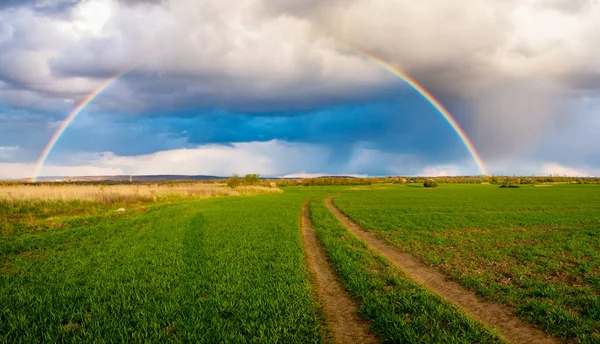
[
  {"x": 70, "y": 326},
  {"x": 340, "y": 310},
  {"x": 491, "y": 314}
]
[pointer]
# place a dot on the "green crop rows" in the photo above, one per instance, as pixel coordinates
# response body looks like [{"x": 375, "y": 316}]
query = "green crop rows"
[{"x": 536, "y": 249}]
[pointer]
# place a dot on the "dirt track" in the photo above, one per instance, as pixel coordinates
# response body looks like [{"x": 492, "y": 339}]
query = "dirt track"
[
  {"x": 491, "y": 314},
  {"x": 341, "y": 312}
]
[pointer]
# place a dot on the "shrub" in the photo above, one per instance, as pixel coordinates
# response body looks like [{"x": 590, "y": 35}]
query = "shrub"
[
  {"x": 252, "y": 179},
  {"x": 234, "y": 181},
  {"x": 430, "y": 183},
  {"x": 507, "y": 185}
]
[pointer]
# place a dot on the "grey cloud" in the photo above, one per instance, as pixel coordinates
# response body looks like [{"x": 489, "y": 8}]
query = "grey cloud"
[
  {"x": 44, "y": 6},
  {"x": 305, "y": 9},
  {"x": 514, "y": 116},
  {"x": 512, "y": 63},
  {"x": 136, "y": 2},
  {"x": 584, "y": 82},
  {"x": 197, "y": 56},
  {"x": 12, "y": 3},
  {"x": 568, "y": 6},
  {"x": 498, "y": 62}
]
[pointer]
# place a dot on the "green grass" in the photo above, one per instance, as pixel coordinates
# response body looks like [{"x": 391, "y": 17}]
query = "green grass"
[
  {"x": 22, "y": 216},
  {"x": 232, "y": 269},
  {"x": 400, "y": 311},
  {"x": 536, "y": 249},
  {"x": 213, "y": 270}
]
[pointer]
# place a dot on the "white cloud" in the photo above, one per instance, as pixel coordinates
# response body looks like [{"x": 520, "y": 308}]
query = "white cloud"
[
  {"x": 271, "y": 158},
  {"x": 274, "y": 158},
  {"x": 276, "y": 43},
  {"x": 268, "y": 51},
  {"x": 25, "y": 170},
  {"x": 8, "y": 151},
  {"x": 205, "y": 53},
  {"x": 514, "y": 67},
  {"x": 445, "y": 171},
  {"x": 558, "y": 169}
]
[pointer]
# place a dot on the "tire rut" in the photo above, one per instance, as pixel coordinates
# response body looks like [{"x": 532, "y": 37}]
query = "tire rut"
[
  {"x": 340, "y": 310},
  {"x": 494, "y": 315}
]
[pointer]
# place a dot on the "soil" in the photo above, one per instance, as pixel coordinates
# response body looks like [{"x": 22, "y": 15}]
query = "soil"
[
  {"x": 491, "y": 314},
  {"x": 337, "y": 305}
]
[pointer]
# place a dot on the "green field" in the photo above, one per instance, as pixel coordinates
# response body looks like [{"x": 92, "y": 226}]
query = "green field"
[
  {"x": 534, "y": 248},
  {"x": 400, "y": 311},
  {"x": 213, "y": 270},
  {"x": 232, "y": 269}
]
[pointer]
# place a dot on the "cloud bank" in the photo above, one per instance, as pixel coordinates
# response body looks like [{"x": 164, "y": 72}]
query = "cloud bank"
[
  {"x": 271, "y": 158},
  {"x": 525, "y": 89}
]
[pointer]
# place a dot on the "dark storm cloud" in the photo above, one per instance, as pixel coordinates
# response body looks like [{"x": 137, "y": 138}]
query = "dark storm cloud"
[
  {"x": 385, "y": 127},
  {"x": 13, "y": 3},
  {"x": 143, "y": 2},
  {"x": 47, "y": 6},
  {"x": 584, "y": 81},
  {"x": 156, "y": 93},
  {"x": 175, "y": 71},
  {"x": 505, "y": 69}
]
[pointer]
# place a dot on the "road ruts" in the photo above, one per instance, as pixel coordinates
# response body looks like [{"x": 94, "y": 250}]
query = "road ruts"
[
  {"x": 491, "y": 314},
  {"x": 340, "y": 310}
]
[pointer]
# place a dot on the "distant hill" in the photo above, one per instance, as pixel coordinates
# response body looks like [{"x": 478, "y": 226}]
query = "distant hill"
[
  {"x": 126, "y": 178},
  {"x": 158, "y": 177}
]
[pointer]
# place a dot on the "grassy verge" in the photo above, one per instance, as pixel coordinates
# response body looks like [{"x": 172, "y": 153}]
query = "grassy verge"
[
  {"x": 535, "y": 249},
  {"x": 399, "y": 309},
  {"x": 213, "y": 270}
]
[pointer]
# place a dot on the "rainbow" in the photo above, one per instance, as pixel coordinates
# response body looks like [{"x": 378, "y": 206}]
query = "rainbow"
[
  {"x": 70, "y": 118},
  {"x": 412, "y": 82},
  {"x": 436, "y": 104}
]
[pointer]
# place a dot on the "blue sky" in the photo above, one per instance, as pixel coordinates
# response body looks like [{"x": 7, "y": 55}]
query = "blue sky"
[{"x": 273, "y": 88}]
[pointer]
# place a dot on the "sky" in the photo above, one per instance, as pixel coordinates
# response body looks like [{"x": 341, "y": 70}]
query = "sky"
[{"x": 279, "y": 88}]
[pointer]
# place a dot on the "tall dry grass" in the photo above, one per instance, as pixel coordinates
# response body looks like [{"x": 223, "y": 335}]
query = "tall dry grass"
[{"x": 124, "y": 193}]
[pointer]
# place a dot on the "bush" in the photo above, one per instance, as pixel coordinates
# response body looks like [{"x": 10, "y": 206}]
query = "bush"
[
  {"x": 430, "y": 183},
  {"x": 252, "y": 179},
  {"x": 234, "y": 181},
  {"x": 508, "y": 185}
]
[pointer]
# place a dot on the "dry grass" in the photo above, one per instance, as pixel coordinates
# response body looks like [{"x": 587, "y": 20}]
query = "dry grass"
[{"x": 124, "y": 193}]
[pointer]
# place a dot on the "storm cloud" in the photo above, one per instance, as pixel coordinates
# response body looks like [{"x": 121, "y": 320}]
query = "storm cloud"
[{"x": 519, "y": 75}]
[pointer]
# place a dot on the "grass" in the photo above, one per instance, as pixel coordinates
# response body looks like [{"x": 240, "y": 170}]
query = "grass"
[
  {"x": 122, "y": 193},
  {"x": 180, "y": 267},
  {"x": 400, "y": 311},
  {"x": 47, "y": 206},
  {"x": 535, "y": 249},
  {"x": 211, "y": 270}
]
